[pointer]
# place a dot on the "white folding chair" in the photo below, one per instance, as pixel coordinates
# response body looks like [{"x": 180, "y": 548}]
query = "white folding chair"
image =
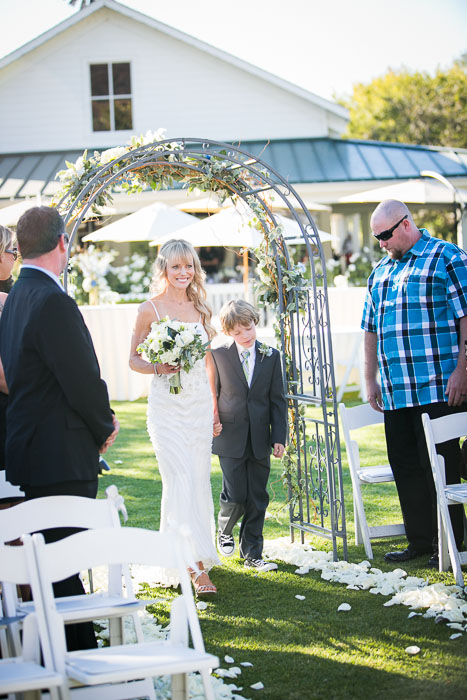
[
  {"x": 352, "y": 419},
  {"x": 439, "y": 430},
  {"x": 25, "y": 673},
  {"x": 74, "y": 511},
  {"x": 121, "y": 664}
]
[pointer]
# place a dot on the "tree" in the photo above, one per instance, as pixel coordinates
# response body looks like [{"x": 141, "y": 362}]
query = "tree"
[{"x": 414, "y": 108}]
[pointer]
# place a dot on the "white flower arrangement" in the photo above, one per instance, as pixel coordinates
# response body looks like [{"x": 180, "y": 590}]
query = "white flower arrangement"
[
  {"x": 94, "y": 265},
  {"x": 173, "y": 343}
]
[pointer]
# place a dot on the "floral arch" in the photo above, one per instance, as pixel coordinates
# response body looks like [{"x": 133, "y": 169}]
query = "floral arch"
[{"x": 312, "y": 468}]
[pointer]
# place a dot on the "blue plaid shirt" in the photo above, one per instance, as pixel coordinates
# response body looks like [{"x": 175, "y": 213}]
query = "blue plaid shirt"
[{"x": 414, "y": 305}]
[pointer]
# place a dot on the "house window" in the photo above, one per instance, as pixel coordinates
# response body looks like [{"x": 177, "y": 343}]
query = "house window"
[{"x": 111, "y": 97}]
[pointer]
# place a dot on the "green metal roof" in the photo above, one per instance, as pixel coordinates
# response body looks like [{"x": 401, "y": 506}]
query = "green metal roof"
[
  {"x": 299, "y": 160},
  {"x": 337, "y": 160}
]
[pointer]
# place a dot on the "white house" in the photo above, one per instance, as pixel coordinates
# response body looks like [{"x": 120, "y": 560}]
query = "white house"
[{"x": 108, "y": 72}]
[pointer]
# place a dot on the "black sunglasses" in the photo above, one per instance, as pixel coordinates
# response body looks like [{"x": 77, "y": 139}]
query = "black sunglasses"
[
  {"x": 13, "y": 252},
  {"x": 386, "y": 235}
]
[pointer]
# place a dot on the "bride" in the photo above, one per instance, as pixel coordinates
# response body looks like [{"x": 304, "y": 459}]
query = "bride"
[{"x": 181, "y": 425}]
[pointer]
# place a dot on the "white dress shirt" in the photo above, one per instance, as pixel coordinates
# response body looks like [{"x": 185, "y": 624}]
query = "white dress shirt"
[{"x": 251, "y": 359}]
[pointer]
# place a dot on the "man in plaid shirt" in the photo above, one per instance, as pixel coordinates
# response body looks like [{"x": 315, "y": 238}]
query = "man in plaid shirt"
[{"x": 415, "y": 323}]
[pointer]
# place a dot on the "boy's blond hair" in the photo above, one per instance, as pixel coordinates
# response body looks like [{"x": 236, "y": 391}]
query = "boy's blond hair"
[{"x": 237, "y": 311}]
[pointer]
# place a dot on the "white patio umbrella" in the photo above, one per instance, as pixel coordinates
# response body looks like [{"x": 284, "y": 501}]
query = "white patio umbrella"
[
  {"x": 147, "y": 224},
  {"x": 211, "y": 205},
  {"x": 232, "y": 227},
  {"x": 9, "y": 215}
]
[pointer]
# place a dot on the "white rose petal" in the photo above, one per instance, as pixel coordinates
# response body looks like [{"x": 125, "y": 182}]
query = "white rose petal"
[
  {"x": 344, "y": 607},
  {"x": 455, "y": 636},
  {"x": 228, "y": 660},
  {"x": 455, "y": 626},
  {"x": 201, "y": 605},
  {"x": 302, "y": 570},
  {"x": 223, "y": 673},
  {"x": 300, "y": 597},
  {"x": 246, "y": 663},
  {"x": 235, "y": 670},
  {"x": 257, "y": 686},
  {"x": 412, "y": 650},
  {"x": 118, "y": 461},
  {"x": 413, "y": 614}
]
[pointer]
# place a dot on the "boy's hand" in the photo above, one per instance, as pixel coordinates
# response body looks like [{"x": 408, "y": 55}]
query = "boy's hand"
[
  {"x": 278, "y": 450},
  {"x": 216, "y": 429}
]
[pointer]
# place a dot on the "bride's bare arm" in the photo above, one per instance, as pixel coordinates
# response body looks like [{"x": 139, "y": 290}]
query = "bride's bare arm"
[
  {"x": 142, "y": 327},
  {"x": 211, "y": 372}
]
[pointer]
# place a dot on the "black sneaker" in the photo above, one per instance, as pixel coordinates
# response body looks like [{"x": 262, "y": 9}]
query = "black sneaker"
[
  {"x": 260, "y": 565},
  {"x": 225, "y": 544}
]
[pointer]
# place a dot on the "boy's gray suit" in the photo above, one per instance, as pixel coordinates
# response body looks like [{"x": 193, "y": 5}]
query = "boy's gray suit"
[{"x": 253, "y": 419}]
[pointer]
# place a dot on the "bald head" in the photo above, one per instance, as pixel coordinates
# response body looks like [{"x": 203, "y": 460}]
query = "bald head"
[
  {"x": 394, "y": 218},
  {"x": 391, "y": 210}
]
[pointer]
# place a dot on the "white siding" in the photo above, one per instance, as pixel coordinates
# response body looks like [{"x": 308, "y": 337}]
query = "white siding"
[{"x": 45, "y": 95}]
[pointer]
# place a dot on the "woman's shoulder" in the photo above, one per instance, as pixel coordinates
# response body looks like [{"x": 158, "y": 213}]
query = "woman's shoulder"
[{"x": 148, "y": 305}]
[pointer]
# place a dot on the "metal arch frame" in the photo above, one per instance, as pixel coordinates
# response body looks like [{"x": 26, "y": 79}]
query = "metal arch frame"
[{"x": 319, "y": 509}]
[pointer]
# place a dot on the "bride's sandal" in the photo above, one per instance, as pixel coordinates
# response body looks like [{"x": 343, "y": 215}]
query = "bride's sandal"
[{"x": 206, "y": 589}]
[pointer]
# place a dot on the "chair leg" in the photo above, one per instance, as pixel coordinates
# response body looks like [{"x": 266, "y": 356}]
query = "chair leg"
[
  {"x": 115, "y": 631},
  {"x": 443, "y": 552},
  {"x": 361, "y": 525},
  {"x": 207, "y": 684},
  {"x": 180, "y": 686}
]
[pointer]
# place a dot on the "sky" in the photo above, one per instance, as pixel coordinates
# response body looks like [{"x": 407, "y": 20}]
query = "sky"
[{"x": 325, "y": 46}]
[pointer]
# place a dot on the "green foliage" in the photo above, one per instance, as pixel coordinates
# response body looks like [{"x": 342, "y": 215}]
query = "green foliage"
[
  {"x": 438, "y": 223},
  {"x": 418, "y": 108}
]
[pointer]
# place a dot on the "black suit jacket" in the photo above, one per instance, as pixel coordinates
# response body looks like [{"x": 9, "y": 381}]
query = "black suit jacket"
[
  {"x": 58, "y": 410},
  {"x": 260, "y": 409}
]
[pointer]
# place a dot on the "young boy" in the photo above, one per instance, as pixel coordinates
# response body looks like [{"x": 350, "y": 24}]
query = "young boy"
[{"x": 253, "y": 413}]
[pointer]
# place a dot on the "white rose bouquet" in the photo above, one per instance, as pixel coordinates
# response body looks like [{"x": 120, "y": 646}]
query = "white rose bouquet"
[{"x": 173, "y": 343}]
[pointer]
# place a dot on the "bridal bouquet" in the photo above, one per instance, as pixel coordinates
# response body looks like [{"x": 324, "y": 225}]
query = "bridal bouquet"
[{"x": 173, "y": 343}]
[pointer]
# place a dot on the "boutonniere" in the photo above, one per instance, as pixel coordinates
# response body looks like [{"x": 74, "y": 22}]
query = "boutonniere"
[{"x": 265, "y": 350}]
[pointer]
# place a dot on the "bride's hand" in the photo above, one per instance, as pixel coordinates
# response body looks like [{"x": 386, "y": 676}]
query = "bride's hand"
[{"x": 166, "y": 369}]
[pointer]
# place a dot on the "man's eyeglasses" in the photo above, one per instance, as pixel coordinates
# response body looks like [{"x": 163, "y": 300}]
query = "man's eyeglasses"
[
  {"x": 66, "y": 238},
  {"x": 13, "y": 252},
  {"x": 386, "y": 235}
]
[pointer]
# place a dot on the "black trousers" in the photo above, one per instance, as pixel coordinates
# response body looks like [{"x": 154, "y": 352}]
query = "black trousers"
[
  {"x": 410, "y": 464},
  {"x": 244, "y": 492},
  {"x": 78, "y": 636}
]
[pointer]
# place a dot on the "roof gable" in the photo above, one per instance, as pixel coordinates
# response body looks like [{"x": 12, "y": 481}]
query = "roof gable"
[{"x": 219, "y": 54}]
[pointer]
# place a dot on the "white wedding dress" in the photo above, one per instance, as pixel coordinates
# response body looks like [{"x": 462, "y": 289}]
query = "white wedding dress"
[{"x": 180, "y": 428}]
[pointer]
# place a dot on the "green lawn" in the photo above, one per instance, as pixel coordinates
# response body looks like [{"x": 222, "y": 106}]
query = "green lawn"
[{"x": 303, "y": 649}]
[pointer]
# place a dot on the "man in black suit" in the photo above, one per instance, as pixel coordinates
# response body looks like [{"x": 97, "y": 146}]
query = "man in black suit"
[
  {"x": 58, "y": 418},
  {"x": 253, "y": 414}
]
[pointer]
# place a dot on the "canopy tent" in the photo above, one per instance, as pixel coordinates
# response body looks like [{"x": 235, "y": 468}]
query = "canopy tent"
[
  {"x": 411, "y": 192},
  {"x": 146, "y": 224}
]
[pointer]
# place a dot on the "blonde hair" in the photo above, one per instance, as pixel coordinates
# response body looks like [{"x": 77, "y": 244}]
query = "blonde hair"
[
  {"x": 178, "y": 249},
  {"x": 6, "y": 239},
  {"x": 238, "y": 311}
]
